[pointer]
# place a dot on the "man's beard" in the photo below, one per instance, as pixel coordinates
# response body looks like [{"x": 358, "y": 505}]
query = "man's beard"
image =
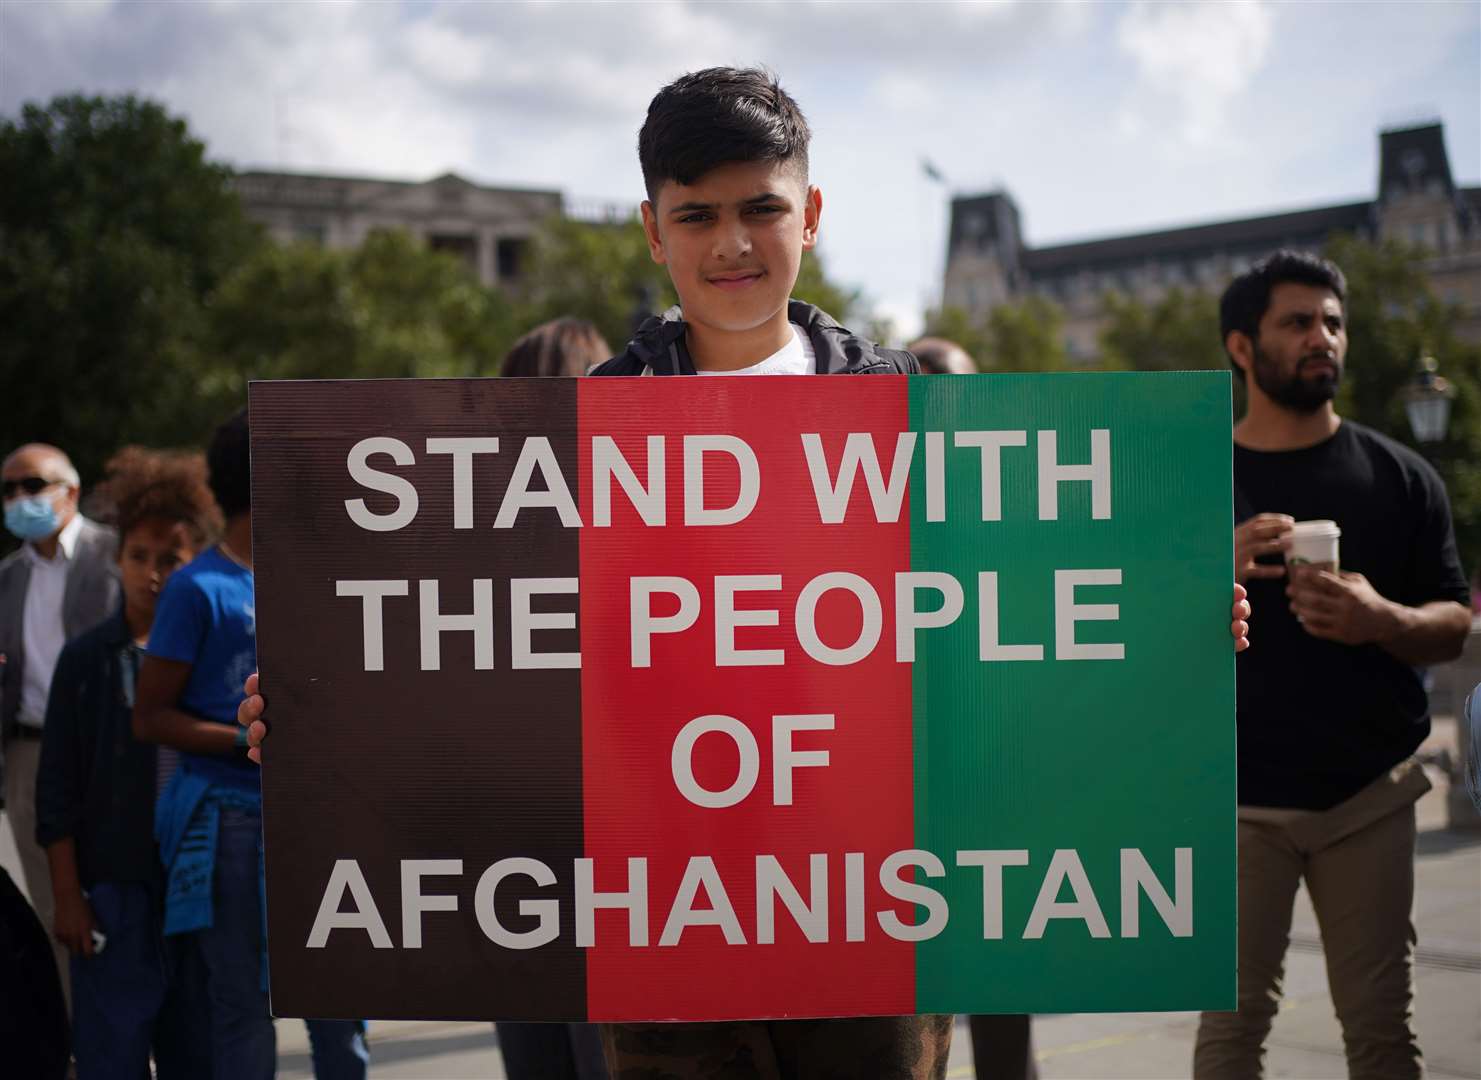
[{"x": 1302, "y": 395}]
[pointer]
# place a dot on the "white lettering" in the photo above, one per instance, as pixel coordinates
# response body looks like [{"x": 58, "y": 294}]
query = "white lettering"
[
  {"x": 462, "y": 451},
  {"x": 371, "y": 594},
  {"x": 346, "y": 875},
  {"x": 681, "y": 761},
  {"x": 1052, "y": 474},
  {"x": 523, "y": 622},
  {"x": 375, "y": 480},
  {"x": 607, "y": 462},
  {"x": 1067, "y": 613},
  {"x": 536, "y": 453},
  {"x": 695, "y": 448},
  {"x": 481, "y": 623}
]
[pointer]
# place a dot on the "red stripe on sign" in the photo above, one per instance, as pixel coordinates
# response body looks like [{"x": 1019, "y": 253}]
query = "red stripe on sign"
[{"x": 860, "y": 801}]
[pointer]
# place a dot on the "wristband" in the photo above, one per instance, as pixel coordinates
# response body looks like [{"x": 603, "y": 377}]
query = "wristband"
[{"x": 241, "y": 740}]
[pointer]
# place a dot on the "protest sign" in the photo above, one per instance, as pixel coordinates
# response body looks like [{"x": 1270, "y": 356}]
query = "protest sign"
[{"x": 628, "y": 699}]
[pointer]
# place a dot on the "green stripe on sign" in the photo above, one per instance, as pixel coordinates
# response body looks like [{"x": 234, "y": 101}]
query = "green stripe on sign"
[{"x": 1071, "y": 777}]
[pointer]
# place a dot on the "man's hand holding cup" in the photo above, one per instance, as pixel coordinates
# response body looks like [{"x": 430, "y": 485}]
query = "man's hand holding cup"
[{"x": 1261, "y": 535}]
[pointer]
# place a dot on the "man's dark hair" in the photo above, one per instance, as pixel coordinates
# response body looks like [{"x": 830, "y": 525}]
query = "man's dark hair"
[
  {"x": 1247, "y": 298},
  {"x": 716, "y": 117},
  {"x": 229, "y": 460}
]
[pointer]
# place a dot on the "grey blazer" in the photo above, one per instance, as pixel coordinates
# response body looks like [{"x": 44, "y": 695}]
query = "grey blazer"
[{"x": 91, "y": 596}]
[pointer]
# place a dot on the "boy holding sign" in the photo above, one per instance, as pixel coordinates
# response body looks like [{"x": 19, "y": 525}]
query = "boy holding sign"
[{"x": 730, "y": 212}]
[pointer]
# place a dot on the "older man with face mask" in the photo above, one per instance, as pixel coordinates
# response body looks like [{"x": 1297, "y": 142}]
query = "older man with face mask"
[{"x": 62, "y": 581}]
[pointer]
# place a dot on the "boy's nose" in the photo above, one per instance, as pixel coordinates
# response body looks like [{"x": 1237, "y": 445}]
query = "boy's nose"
[{"x": 731, "y": 242}]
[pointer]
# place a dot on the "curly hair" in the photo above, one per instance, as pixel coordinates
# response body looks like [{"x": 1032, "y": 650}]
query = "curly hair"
[{"x": 142, "y": 485}]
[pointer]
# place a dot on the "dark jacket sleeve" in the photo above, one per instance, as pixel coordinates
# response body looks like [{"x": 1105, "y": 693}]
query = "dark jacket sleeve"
[{"x": 60, "y": 783}]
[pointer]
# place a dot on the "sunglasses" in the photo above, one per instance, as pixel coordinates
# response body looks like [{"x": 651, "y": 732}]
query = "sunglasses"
[{"x": 31, "y": 485}]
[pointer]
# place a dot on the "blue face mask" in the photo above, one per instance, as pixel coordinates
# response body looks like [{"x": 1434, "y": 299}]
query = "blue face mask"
[{"x": 33, "y": 518}]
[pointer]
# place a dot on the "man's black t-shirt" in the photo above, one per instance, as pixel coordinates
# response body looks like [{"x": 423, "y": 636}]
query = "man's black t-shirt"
[{"x": 1319, "y": 721}]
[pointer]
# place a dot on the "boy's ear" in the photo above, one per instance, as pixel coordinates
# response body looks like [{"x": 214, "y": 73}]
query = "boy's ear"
[
  {"x": 812, "y": 214},
  {"x": 1241, "y": 350},
  {"x": 650, "y": 230}
]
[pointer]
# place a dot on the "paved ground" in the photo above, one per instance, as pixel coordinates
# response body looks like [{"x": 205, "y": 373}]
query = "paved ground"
[{"x": 1306, "y": 1043}]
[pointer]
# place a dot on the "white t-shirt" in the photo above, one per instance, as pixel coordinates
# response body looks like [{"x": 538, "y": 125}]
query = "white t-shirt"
[
  {"x": 794, "y": 358},
  {"x": 42, "y": 632}
]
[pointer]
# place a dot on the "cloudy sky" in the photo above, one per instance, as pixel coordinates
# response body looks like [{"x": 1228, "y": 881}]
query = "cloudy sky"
[{"x": 1098, "y": 118}]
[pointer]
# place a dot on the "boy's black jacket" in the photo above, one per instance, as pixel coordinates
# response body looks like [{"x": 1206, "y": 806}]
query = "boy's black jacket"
[
  {"x": 658, "y": 348},
  {"x": 96, "y": 782}
]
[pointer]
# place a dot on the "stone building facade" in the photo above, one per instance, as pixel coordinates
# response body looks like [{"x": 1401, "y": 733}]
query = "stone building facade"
[
  {"x": 1418, "y": 202},
  {"x": 489, "y": 227}
]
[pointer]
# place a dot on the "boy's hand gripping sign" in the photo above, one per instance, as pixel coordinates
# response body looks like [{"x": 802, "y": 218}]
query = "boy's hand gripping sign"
[{"x": 641, "y": 699}]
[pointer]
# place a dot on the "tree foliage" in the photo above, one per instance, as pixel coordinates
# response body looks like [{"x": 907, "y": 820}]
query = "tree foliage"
[
  {"x": 1027, "y": 336},
  {"x": 114, "y": 228},
  {"x": 1394, "y": 318},
  {"x": 1180, "y": 332},
  {"x": 602, "y": 273},
  {"x": 390, "y": 309}
]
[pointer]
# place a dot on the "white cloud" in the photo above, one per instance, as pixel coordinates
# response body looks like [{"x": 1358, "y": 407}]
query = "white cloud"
[{"x": 1200, "y": 56}]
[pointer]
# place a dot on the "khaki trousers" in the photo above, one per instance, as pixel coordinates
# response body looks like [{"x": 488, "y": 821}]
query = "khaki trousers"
[
  {"x": 1358, "y": 863},
  {"x": 22, "y": 757}
]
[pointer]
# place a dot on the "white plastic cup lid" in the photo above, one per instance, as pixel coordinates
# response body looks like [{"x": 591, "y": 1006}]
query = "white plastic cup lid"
[{"x": 1315, "y": 530}]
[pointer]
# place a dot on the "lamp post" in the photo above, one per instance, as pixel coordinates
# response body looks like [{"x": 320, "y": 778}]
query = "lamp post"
[{"x": 1427, "y": 401}]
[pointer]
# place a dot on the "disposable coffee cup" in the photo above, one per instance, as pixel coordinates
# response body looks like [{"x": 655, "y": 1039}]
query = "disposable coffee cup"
[{"x": 1314, "y": 544}]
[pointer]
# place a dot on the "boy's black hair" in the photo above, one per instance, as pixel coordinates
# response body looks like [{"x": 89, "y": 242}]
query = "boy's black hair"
[
  {"x": 1247, "y": 298},
  {"x": 716, "y": 117},
  {"x": 229, "y": 460}
]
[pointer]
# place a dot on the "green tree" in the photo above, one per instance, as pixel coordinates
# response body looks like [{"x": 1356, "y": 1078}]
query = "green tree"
[
  {"x": 1394, "y": 318},
  {"x": 1026, "y": 336},
  {"x": 114, "y": 228},
  {"x": 390, "y": 309},
  {"x": 602, "y": 273},
  {"x": 1180, "y": 332},
  {"x": 813, "y": 286}
]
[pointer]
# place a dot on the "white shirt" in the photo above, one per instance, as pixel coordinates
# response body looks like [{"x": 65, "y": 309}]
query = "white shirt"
[
  {"x": 42, "y": 632},
  {"x": 794, "y": 358}
]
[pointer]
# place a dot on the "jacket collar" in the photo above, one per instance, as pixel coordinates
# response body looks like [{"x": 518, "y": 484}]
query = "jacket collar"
[{"x": 659, "y": 343}]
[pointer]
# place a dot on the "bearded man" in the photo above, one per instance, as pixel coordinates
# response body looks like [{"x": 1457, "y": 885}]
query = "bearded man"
[{"x": 1331, "y": 703}]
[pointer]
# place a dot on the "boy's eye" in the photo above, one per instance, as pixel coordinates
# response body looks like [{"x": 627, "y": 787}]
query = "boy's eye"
[
  {"x": 766, "y": 209},
  {"x": 696, "y": 216}
]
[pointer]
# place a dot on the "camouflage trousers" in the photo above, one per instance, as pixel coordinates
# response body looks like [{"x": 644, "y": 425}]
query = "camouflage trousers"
[{"x": 864, "y": 1048}]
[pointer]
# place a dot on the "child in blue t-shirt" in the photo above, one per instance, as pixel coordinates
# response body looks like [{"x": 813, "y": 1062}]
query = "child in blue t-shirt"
[{"x": 209, "y": 818}]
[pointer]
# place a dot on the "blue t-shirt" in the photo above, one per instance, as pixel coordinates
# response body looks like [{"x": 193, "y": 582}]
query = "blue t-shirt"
[{"x": 207, "y": 618}]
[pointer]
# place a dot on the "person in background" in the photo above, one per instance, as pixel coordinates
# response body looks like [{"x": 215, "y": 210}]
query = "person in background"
[
  {"x": 565, "y": 346},
  {"x": 62, "y": 581},
  {"x": 532, "y": 1051},
  {"x": 95, "y": 793},
  {"x": 938, "y": 356},
  {"x": 1331, "y": 706},
  {"x": 1002, "y": 1046},
  {"x": 209, "y": 819}
]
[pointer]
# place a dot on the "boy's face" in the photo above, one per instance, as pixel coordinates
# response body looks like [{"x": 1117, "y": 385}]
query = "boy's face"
[
  {"x": 733, "y": 241},
  {"x": 147, "y": 555}
]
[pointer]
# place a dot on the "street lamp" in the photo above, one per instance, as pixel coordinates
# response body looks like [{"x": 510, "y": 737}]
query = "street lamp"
[{"x": 1427, "y": 401}]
